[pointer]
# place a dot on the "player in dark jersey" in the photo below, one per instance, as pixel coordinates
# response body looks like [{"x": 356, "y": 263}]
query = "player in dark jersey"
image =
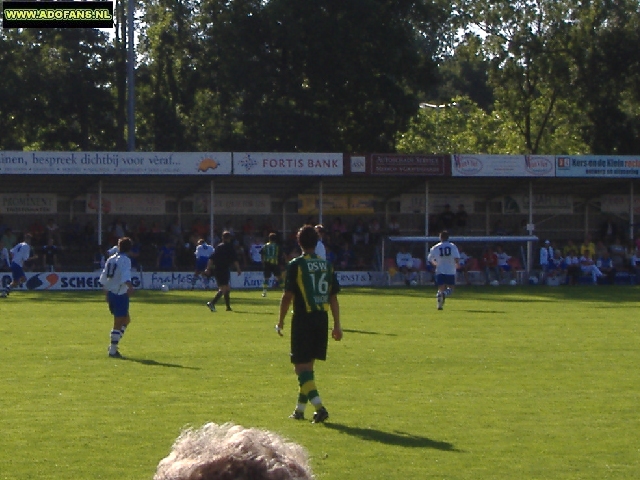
[
  {"x": 271, "y": 255},
  {"x": 312, "y": 286},
  {"x": 223, "y": 258}
]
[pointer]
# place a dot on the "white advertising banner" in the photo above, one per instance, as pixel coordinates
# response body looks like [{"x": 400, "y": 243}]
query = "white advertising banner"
[
  {"x": 126, "y": 204},
  {"x": 256, "y": 163},
  {"x": 598, "y": 166},
  {"x": 28, "y": 203},
  {"x": 415, "y": 202},
  {"x": 503, "y": 166},
  {"x": 542, "y": 203},
  {"x": 116, "y": 163},
  {"x": 173, "y": 280},
  {"x": 236, "y": 204},
  {"x": 619, "y": 204}
]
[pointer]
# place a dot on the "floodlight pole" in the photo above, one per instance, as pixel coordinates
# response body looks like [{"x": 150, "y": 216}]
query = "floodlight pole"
[{"x": 131, "y": 137}]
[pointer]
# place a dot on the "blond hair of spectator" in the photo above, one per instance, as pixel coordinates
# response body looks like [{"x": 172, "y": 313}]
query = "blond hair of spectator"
[{"x": 233, "y": 452}]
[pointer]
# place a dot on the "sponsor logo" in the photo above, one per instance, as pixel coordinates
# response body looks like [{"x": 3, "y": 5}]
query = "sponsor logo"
[
  {"x": 538, "y": 165},
  {"x": 564, "y": 163},
  {"x": 207, "y": 164},
  {"x": 358, "y": 165},
  {"x": 466, "y": 165},
  {"x": 248, "y": 163}
]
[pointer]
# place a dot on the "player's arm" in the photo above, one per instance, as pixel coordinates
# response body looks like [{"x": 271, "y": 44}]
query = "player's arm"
[
  {"x": 285, "y": 303},
  {"x": 237, "y": 265},
  {"x": 336, "y": 333}
]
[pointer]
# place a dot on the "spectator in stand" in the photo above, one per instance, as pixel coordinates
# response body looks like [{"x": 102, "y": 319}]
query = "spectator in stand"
[
  {"x": 50, "y": 256},
  {"x": 338, "y": 229},
  {"x": 572, "y": 265},
  {"x": 463, "y": 265},
  {"x": 375, "y": 231},
  {"x": 249, "y": 234},
  {"x": 588, "y": 248},
  {"x": 605, "y": 265},
  {"x": 332, "y": 258},
  {"x": 504, "y": 267},
  {"x": 99, "y": 258},
  {"x": 557, "y": 265},
  {"x": 134, "y": 254},
  {"x": 447, "y": 218},
  {"x": 490, "y": 264},
  {"x": 393, "y": 228},
  {"x": 321, "y": 246},
  {"x": 461, "y": 218},
  {"x": 175, "y": 234},
  {"x": 89, "y": 233},
  {"x": 157, "y": 234},
  {"x": 73, "y": 234},
  {"x": 37, "y": 233},
  {"x": 608, "y": 230},
  {"x": 143, "y": 232},
  {"x": 346, "y": 257},
  {"x": 499, "y": 229},
  {"x": 166, "y": 260},
  {"x": 53, "y": 231},
  {"x": 569, "y": 247},
  {"x": 600, "y": 249},
  {"x": 589, "y": 267},
  {"x": 241, "y": 253},
  {"x": 404, "y": 262},
  {"x": 546, "y": 254},
  {"x": 9, "y": 238},
  {"x": 5, "y": 261},
  {"x": 360, "y": 234},
  {"x": 618, "y": 252}
]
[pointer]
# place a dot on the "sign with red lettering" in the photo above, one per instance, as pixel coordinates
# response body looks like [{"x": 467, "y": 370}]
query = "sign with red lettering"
[{"x": 427, "y": 165}]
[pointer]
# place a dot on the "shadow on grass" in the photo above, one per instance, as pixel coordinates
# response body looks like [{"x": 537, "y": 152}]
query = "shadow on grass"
[
  {"x": 401, "y": 439},
  {"x": 153, "y": 363},
  {"x": 364, "y": 332},
  {"x": 484, "y": 311}
]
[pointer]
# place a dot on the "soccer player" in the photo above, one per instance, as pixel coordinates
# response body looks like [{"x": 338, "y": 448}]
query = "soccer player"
[
  {"x": 20, "y": 254},
  {"x": 202, "y": 253},
  {"x": 445, "y": 257},
  {"x": 116, "y": 282},
  {"x": 220, "y": 262},
  {"x": 312, "y": 286},
  {"x": 271, "y": 256}
]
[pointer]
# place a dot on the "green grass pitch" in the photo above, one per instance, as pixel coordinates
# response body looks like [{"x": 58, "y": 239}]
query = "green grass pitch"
[{"x": 504, "y": 383}]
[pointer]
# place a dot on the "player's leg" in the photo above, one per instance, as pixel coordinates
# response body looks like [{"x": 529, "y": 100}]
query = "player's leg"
[
  {"x": 440, "y": 296},
  {"x": 227, "y": 297},
  {"x": 222, "y": 280},
  {"x": 266, "y": 276},
  {"x": 119, "y": 307}
]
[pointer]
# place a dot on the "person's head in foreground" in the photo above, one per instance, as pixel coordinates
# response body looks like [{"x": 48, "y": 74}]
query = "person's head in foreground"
[{"x": 233, "y": 452}]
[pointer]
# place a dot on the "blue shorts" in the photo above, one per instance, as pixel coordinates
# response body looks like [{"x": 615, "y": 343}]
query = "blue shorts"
[
  {"x": 17, "y": 272},
  {"x": 442, "y": 279},
  {"x": 118, "y": 304},
  {"x": 506, "y": 268},
  {"x": 201, "y": 264}
]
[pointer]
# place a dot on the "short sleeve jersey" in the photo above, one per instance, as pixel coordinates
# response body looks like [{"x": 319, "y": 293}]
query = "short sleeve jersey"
[
  {"x": 224, "y": 256},
  {"x": 116, "y": 273},
  {"x": 270, "y": 253},
  {"x": 20, "y": 253},
  {"x": 312, "y": 281},
  {"x": 444, "y": 254},
  {"x": 203, "y": 251}
]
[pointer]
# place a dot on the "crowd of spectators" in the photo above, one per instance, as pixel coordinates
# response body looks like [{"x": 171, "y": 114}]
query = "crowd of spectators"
[{"x": 351, "y": 243}]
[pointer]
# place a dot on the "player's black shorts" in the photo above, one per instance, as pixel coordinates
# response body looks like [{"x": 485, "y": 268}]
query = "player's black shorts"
[
  {"x": 270, "y": 268},
  {"x": 222, "y": 277},
  {"x": 309, "y": 337}
]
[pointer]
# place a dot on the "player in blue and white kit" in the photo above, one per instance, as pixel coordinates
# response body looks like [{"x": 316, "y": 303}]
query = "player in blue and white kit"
[
  {"x": 116, "y": 281},
  {"x": 446, "y": 258},
  {"x": 19, "y": 254},
  {"x": 202, "y": 253}
]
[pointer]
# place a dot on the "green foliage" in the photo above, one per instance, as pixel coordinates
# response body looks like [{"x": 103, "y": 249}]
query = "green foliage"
[{"x": 509, "y": 382}]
